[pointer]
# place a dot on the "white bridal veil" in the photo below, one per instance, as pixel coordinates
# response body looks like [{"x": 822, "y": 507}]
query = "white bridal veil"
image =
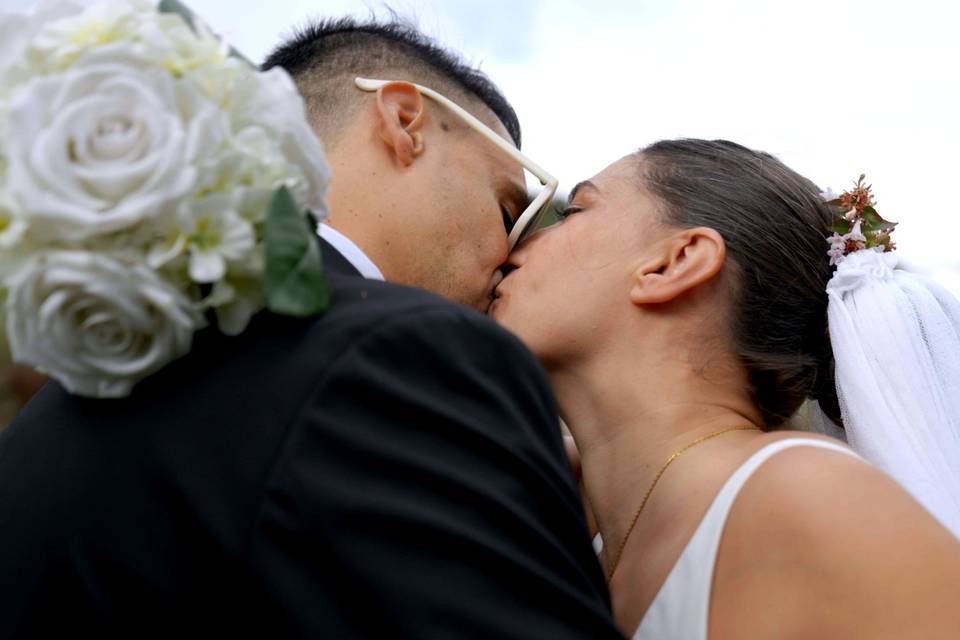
[{"x": 896, "y": 342}]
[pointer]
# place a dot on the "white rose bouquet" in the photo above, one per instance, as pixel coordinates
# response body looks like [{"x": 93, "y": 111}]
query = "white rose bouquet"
[{"x": 151, "y": 181}]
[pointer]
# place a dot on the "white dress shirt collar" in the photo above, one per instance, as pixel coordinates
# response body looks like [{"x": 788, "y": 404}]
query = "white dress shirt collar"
[{"x": 349, "y": 250}]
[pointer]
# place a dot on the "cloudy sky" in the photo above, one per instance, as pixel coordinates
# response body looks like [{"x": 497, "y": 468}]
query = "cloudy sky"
[{"x": 832, "y": 87}]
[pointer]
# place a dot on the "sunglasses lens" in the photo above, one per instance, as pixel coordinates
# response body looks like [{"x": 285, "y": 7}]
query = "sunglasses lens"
[{"x": 534, "y": 223}]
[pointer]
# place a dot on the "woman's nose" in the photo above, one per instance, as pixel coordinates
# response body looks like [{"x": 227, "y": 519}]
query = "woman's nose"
[
  {"x": 519, "y": 254},
  {"x": 515, "y": 258}
]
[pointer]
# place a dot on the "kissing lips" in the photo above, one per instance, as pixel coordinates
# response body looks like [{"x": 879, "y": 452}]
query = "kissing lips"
[
  {"x": 498, "y": 291},
  {"x": 495, "y": 281}
]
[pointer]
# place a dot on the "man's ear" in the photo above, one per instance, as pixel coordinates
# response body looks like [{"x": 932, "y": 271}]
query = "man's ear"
[
  {"x": 400, "y": 108},
  {"x": 684, "y": 261}
]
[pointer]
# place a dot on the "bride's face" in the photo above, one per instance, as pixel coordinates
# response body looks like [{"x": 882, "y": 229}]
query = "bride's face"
[{"x": 573, "y": 280}]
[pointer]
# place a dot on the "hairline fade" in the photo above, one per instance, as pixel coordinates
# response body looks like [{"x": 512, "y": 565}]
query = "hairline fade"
[{"x": 324, "y": 56}]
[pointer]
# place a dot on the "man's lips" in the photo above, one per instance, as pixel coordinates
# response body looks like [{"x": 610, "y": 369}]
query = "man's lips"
[{"x": 495, "y": 281}]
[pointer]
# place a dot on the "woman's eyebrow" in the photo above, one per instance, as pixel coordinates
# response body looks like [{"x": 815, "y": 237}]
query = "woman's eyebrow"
[{"x": 580, "y": 185}]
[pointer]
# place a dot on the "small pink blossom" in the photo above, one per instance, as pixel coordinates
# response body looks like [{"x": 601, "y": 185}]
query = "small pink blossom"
[
  {"x": 856, "y": 236},
  {"x": 837, "y": 248},
  {"x": 841, "y": 245},
  {"x": 855, "y": 233}
]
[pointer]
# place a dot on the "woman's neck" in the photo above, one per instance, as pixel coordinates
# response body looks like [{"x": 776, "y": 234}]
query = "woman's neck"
[{"x": 628, "y": 415}]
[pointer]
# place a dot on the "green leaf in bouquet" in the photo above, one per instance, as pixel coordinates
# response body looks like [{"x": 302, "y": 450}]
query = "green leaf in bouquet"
[
  {"x": 295, "y": 282},
  {"x": 840, "y": 225},
  {"x": 185, "y": 12},
  {"x": 182, "y": 10}
]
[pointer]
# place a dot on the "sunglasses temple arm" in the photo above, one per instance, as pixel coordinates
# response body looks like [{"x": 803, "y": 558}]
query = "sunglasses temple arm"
[
  {"x": 535, "y": 207},
  {"x": 367, "y": 84},
  {"x": 548, "y": 181}
]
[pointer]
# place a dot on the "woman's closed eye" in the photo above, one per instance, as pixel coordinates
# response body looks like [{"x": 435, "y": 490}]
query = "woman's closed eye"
[{"x": 566, "y": 212}]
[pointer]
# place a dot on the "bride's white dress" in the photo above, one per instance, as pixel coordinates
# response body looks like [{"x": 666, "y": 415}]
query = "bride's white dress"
[{"x": 681, "y": 608}]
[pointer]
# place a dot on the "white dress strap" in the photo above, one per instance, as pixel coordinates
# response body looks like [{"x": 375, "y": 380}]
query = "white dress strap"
[{"x": 681, "y": 608}]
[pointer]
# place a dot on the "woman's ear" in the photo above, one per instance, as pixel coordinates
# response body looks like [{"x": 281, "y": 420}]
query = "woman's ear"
[
  {"x": 685, "y": 260},
  {"x": 400, "y": 109}
]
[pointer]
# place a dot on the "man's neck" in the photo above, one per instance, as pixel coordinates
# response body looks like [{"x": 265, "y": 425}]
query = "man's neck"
[{"x": 351, "y": 251}]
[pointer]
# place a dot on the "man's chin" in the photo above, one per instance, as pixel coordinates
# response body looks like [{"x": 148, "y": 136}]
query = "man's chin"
[{"x": 481, "y": 304}]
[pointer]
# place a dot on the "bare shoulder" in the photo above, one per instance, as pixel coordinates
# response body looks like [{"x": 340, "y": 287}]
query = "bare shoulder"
[
  {"x": 822, "y": 495},
  {"x": 835, "y": 548}
]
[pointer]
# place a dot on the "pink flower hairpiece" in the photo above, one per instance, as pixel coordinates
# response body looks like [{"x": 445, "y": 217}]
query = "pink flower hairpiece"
[{"x": 857, "y": 225}]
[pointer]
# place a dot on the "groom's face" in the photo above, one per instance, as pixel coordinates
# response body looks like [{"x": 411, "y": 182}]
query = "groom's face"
[
  {"x": 466, "y": 193},
  {"x": 483, "y": 193},
  {"x": 429, "y": 199}
]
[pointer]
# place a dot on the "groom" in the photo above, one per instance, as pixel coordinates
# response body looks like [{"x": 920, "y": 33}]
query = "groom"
[{"x": 390, "y": 469}]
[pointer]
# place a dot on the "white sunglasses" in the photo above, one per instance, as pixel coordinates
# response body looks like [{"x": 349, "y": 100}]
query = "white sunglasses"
[{"x": 535, "y": 210}]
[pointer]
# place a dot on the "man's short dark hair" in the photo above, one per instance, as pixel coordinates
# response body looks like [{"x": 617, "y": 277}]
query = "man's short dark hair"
[{"x": 323, "y": 58}]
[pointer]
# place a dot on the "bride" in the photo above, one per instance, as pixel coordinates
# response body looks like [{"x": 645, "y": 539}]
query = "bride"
[{"x": 680, "y": 309}]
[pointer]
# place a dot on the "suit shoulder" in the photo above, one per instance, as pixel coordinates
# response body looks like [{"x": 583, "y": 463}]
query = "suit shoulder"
[{"x": 386, "y": 308}]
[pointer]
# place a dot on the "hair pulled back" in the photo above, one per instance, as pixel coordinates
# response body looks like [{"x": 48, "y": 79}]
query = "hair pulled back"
[{"x": 773, "y": 222}]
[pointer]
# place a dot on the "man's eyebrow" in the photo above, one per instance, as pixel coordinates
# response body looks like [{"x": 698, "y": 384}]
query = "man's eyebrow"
[{"x": 580, "y": 185}]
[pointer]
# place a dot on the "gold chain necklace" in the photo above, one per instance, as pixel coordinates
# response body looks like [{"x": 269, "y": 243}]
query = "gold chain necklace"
[{"x": 656, "y": 479}]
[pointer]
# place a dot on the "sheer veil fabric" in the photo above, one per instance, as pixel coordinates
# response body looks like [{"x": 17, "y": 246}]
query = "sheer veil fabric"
[{"x": 896, "y": 343}]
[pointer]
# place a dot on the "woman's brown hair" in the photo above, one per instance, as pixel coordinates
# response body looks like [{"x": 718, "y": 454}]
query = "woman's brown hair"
[{"x": 774, "y": 223}]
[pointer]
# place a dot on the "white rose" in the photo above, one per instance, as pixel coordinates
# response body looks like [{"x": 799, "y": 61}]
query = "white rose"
[
  {"x": 96, "y": 323},
  {"x": 270, "y": 101},
  {"x": 102, "y": 147},
  {"x": 17, "y": 30}
]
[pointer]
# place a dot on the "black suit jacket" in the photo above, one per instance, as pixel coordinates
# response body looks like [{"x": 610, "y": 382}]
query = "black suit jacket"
[{"x": 390, "y": 469}]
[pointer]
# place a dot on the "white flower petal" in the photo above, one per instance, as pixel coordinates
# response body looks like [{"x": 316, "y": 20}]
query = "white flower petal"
[
  {"x": 163, "y": 252},
  {"x": 206, "y": 266},
  {"x": 237, "y": 238},
  {"x": 245, "y": 301}
]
